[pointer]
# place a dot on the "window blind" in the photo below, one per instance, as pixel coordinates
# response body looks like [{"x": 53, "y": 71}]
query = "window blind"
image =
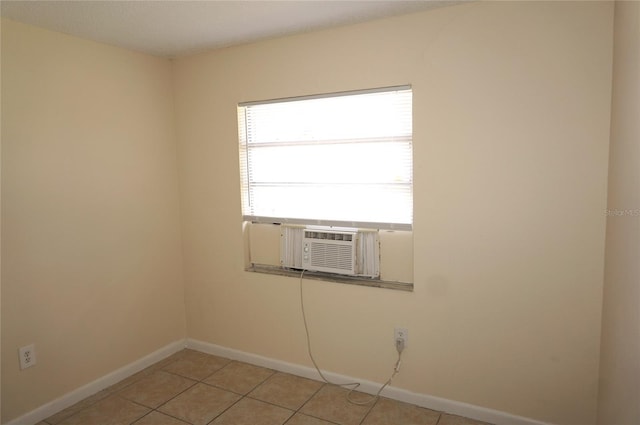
[{"x": 340, "y": 160}]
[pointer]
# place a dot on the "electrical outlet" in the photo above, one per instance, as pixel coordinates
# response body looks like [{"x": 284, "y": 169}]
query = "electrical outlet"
[
  {"x": 401, "y": 333},
  {"x": 27, "y": 356}
]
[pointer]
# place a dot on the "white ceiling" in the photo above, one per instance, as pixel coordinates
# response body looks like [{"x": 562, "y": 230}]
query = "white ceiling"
[{"x": 180, "y": 27}]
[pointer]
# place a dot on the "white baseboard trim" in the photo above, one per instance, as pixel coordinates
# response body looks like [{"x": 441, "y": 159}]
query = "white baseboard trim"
[
  {"x": 99, "y": 384},
  {"x": 430, "y": 402}
]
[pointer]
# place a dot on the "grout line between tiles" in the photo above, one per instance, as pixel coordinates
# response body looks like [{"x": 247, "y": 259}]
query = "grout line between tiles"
[
  {"x": 116, "y": 390},
  {"x": 142, "y": 417},
  {"x": 223, "y": 412}
]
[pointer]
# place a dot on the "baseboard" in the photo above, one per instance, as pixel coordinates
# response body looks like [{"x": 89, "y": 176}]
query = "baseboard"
[
  {"x": 430, "y": 402},
  {"x": 99, "y": 384}
]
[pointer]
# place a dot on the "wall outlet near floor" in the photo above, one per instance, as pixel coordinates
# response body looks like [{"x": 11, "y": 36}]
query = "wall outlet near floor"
[
  {"x": 401, "y": 334},
  {"x": 27, "y": 356}
]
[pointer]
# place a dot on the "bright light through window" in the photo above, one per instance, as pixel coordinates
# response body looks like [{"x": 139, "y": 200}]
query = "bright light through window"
[{"x": 343, "y": 159}]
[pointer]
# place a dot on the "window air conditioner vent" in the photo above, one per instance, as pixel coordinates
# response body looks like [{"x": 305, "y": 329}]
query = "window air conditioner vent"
[{"x": 329, "y": 251}]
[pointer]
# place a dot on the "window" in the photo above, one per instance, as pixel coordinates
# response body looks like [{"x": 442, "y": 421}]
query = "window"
[{"x": 343, "y": 159}]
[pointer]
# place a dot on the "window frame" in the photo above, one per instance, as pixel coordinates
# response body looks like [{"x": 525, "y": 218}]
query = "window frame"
[{"x": 244, "y": 147}]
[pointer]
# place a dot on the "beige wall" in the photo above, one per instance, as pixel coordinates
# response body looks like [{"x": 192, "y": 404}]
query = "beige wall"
[
  {"x": 620, "y": 366},
  {"x": 0, "y": 236},
  {"x": 511, "y": 128},
  {"x": 511, "y": 107},
  {"x": 91, "y": 249}
]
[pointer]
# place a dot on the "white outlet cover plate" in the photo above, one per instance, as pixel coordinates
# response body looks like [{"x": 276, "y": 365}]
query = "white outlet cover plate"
[
  {"x": 401, "y": 333},
  {"x": 27, "y": 356}
]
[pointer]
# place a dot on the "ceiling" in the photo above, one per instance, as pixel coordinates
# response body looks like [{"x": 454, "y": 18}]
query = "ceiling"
[{"x": 180, "y": 27}]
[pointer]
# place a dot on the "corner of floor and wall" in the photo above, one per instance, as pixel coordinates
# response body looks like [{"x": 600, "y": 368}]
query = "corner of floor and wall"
[{"x": 122, "y": 240}]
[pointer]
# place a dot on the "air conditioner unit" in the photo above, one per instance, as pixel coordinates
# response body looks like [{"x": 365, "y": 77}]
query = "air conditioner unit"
[{"x": 329, "y": 251}]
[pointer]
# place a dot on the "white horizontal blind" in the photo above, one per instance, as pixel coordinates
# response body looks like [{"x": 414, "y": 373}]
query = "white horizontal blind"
[{"x": 343, "y": 159}]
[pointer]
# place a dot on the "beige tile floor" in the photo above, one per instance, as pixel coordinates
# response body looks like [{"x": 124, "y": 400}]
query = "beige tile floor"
[{"x": 194, "y": 388}]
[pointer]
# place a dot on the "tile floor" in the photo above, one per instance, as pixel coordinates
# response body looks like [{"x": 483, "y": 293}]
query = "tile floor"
[{"x": 194, "y": 388}]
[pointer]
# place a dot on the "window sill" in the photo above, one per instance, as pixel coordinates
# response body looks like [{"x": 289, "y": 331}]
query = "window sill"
[{"x": 330, "y": 277}]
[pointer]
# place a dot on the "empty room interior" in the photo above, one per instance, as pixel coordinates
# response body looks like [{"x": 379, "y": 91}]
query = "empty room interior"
[{"x": 126, "y": 233}]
